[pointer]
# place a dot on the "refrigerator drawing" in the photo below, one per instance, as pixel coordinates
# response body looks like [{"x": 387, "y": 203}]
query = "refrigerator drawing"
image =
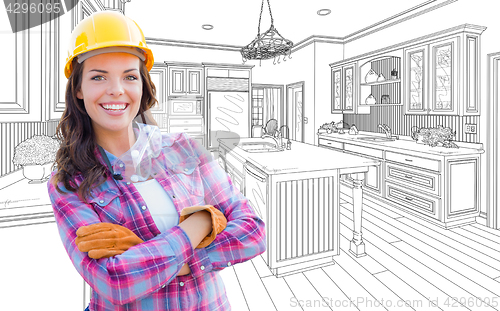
[{"x": 227, "y": 115}]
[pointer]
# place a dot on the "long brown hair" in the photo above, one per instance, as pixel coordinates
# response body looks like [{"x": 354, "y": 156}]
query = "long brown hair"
[{"x": 78, "y": 143}]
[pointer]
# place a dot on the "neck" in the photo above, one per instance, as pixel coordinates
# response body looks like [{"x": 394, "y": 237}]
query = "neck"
[{"x": 117, "y": 142}]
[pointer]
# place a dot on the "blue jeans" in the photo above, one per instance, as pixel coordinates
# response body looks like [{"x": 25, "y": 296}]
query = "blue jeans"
[{"x": 87, "y": 309}]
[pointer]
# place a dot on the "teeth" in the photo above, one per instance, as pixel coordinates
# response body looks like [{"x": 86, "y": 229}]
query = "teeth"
[{"x": 114, "y": 107}]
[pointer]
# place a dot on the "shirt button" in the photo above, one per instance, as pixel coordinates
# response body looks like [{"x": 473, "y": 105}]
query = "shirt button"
[
  {"x": 181, "y": 283},
  {"x": 128, "y": 182},
  {"x": 163, "y": 286},
  {"x": 173, "y": 196},
  {"x": 229, "y": 264},
  {"x": 102, "y": 201},
  {"x": 144, "y": 207},
  {"x": 202, "y": 267},
  {"x": 185, "y": 170},
  {"x": 121, "y": 164}
]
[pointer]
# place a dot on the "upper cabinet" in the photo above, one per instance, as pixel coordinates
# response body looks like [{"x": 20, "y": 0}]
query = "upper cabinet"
[
  {"x": 345, "y": 88},
  {"x": 436, "y": 74},
  {"x": 185, "y": 79},
  {"x": 442, "y": 75},
  {"x": 380, "y": 83}
]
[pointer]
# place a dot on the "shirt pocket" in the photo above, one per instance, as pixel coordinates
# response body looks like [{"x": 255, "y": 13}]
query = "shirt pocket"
[
  {"x": 188, "y": 173},
  {"x": 107, "y": 206}
]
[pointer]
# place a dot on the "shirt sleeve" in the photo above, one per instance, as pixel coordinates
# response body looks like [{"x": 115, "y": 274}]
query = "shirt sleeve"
[
  {"x": 244, "y": 236},
  {"x": 124, "y": 278}
]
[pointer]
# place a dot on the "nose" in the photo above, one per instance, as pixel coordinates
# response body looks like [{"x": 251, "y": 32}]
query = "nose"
[{"x": 115, "y": 87}]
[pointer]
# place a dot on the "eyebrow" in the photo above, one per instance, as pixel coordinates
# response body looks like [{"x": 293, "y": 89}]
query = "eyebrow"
[{"x": 104, "y": 71}]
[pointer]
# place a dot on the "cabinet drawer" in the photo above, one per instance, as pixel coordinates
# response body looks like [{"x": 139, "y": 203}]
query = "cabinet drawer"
[
  {"x": 331, "y": 143},
  {"x": 422, "y": 180},
  {"x": 413, "y": 200},
  {"x": 197, "y": 121},
  {"x": 430, "y": 164},
  {"x": 186, "y": 129},
  {"x": 365, "y": 151}
]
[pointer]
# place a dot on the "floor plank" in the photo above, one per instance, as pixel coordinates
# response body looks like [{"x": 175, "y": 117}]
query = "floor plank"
[
  {"x": 280, "y": 292},
  {"x": 261, "y": 267},
  {"x": 484, "y": 231},
  {"x": 483, "y": 259},
  {"x": 476, "y": 237},
  {"x": 411, "y": 232},
  {"x": 306, "y": 295},
  {"x": 256, "y": 295},
  {"x": 233, "y": 289},
  {"x": 490, "y": 230},
  {"x": 467, "y": 276},
  {"x": 379, "y": 291},
  {"x": 331, "y": 293},
  {"x": 359, "y": 296},
  {"x": 407, "y": 293},
  {"x": 402, "y": 266},
  {"x": 460, "y": 287}
]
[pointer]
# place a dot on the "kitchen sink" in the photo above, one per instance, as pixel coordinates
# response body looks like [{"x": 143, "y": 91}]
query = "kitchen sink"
[
  {"x": 259, "y": 147},
  {"x": 376, "y": 138}
]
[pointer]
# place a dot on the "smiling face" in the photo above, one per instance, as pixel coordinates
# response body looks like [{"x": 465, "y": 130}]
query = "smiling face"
[{"x": 111, "y": 90}]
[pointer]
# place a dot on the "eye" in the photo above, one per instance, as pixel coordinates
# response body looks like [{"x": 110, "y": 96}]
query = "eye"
[
  {"x": 97, "y": 78},
  {"x": 131, "y": 78}
]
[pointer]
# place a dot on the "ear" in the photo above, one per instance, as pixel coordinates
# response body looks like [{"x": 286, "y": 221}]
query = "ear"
[{"x": 79, "y": 94}]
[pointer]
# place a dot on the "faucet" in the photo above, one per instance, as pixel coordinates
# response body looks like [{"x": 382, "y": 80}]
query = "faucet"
[
  {"x": 387, "y": 130},
  {"x": 278, "y": 143}
]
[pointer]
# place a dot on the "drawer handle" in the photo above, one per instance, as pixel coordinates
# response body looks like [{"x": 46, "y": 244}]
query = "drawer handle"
[
  {"x": 409, "y": 160},
  {"x": 409, "y": 177},
  {"x": 409, "y": 199}
]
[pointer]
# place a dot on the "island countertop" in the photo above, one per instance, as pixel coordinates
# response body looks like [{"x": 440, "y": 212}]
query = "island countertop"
[{"x": 301, "y": 158}]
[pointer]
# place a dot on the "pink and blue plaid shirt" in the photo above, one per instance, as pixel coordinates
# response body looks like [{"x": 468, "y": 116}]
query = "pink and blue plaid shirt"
[{"x": 145, "y": 276}]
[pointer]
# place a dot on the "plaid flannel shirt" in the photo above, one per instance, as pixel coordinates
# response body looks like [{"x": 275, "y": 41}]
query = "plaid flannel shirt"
[{"x": 145, "y": 276}]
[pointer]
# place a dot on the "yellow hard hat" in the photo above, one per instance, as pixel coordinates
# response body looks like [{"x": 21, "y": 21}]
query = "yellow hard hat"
[{"x": 103, "y": 30}]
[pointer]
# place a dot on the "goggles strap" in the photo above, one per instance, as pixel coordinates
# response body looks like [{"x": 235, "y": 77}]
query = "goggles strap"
[{"x": 116, "y": 176}]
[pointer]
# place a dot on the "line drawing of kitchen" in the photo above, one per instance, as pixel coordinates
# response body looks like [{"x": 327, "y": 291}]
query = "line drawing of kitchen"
[{"x": 369, "y": 149}]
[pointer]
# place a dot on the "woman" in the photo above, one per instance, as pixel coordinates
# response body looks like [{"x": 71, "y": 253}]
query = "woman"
[{"x": 142, "y": 215}]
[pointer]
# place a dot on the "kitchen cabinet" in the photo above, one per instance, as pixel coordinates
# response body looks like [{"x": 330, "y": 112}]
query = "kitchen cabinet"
[
  {"x": 380, "y": 83},
  {"x": 442, "y": 74},
  {"x": 234, "y": 166},
  {"x": 185, "y": 79},
  {"x": 158, "y": 76},
  {"x": 344, "y": 87},
  {"x": 438, "y": 184}
]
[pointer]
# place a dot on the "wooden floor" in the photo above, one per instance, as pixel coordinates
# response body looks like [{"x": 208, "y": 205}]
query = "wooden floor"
[{"x": 411, "y": 265}]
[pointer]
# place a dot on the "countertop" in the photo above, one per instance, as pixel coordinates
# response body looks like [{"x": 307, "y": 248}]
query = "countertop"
[
  {"x": 404, "y": 145},
  {"x": 301, "y": 158}
]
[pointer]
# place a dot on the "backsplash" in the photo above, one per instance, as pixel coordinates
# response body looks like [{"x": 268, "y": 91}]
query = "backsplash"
[{"x": 401, "y": 124}]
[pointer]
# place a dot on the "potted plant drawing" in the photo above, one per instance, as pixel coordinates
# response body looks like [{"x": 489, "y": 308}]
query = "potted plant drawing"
[{"x": 36, "y": 156}]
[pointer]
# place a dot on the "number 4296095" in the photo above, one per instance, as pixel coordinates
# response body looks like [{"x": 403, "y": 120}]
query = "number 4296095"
[{"x": 18, "y": 8}]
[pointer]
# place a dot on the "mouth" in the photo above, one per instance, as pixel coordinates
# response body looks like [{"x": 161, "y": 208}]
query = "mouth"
[{"x": 115, "y": 107}]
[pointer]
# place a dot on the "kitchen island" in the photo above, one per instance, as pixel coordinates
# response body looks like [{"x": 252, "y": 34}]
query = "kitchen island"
[{"x": 296, "y": 193}]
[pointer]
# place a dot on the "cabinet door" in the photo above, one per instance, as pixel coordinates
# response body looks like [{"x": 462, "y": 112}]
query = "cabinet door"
[
  {"x": 443, "y": 97},
  {"x": 177, "y": 82},
  {"x": 348, "y": 73},
  {"x": 337, "y": 90},
  {"x": 462, "y": 188},
  {"x": 472, "y": 78},
  {"x": 194, "y": 82},
  {"x": 415, "y": 80}
]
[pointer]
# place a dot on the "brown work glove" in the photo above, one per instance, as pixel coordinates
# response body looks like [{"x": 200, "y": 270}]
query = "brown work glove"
[
  {"x": 219, "y": 221},
  {"x": 105, "y": 240}
]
